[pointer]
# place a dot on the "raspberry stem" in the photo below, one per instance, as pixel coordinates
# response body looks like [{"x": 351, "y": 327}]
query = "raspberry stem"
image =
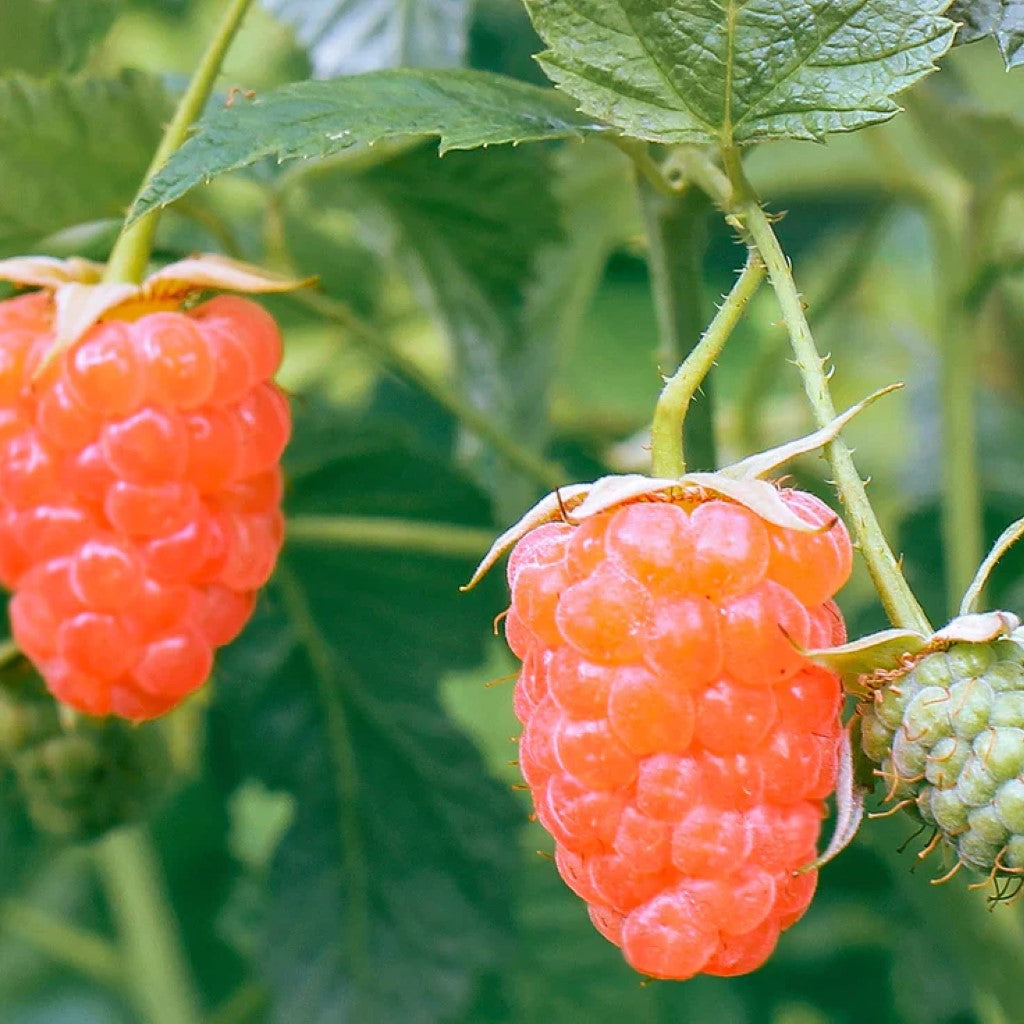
[
  {"x": 667, "y": 458},
  {"x": 736, "y": 197},
  {"x": 151, "y": 947},
  {"x": 676, "y": 240},
  {"x": 130, "y": 255},
  {"x": 387, "y": 534},
  {"x": 832, "y": 292}
]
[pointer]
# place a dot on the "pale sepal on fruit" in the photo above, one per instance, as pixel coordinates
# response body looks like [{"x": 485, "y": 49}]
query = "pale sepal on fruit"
[
  {"x": 740, "y": 483},
  {"x": 893, "y": 650},
  {"x": 851, "y": 791},
  {"x": 1006, "y": 540},
  {"x": 82, "y": 298}
]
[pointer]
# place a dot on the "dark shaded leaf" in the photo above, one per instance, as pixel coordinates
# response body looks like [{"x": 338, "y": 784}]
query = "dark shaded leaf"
[
  {"x": 1002, "y": 19},
  {"x": 389, "y": 896},
  {"x": 472, "y": 233},
  {"x": 200, "y": 875},
  {"x": 20, "y": 848}
]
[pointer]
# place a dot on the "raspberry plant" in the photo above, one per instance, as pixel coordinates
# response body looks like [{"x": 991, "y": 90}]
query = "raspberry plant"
[{"x": 493, "y": 278}]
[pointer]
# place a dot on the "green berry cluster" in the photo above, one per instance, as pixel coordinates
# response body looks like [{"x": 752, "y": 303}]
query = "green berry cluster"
[
  {"x": 948, "y": 737},
  {"x": 78, "y": 778}
]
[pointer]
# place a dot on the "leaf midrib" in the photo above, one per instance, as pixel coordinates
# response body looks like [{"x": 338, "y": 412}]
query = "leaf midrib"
[
  {"x": 782, "y": 79},
  {"x": 339, "y": 742}
]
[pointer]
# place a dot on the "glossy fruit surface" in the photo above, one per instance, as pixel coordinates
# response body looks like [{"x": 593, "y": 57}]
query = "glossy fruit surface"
[
  {"x": 677, "y": 746},
  {"x": 139, "y": 495}
]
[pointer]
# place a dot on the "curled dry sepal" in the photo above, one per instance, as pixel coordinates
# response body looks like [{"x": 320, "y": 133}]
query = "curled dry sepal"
[
  {"x": 140, "y": 486},
  {"x": 677, "y": 744},
  {"x": 940, "y": 721}
]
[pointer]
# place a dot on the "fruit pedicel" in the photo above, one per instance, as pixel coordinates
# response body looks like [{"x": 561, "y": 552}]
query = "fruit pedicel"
[{"x": 140, "y": 488}]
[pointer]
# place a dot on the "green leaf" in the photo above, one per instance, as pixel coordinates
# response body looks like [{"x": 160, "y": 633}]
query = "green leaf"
[
  {"x": 465, "y": 109},
  {"x": 1002, "y": 19},
  {"x": 74, "y": 151},
  {"x": 478, "y": 236},
  {"x": 20, "y": 847},
  {"x": 389, "y": 895},
  {"x": 736, "y": 72},
  {"x": 469, "y": 231},
  {"x": 352, "y": 36},
  {"x": 200, "y": 876},
  {"x": 980, "y": 144},
  {"x": 43, "y": 36}
]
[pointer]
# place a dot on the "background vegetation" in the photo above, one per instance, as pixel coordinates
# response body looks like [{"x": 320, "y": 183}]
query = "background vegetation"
[{"x": 336, "y": 834}]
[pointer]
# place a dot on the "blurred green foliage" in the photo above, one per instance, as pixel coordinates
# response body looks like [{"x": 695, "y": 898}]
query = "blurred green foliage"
[{"x": 340, "y": 843}]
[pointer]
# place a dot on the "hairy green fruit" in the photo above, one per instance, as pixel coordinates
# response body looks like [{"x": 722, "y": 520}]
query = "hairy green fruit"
[{"x": 948, "y": 737}]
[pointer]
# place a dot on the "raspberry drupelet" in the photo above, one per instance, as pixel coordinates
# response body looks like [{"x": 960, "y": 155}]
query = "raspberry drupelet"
[
  {"x": 677, "y": 745},
  {"x": 140, "y": 494}
]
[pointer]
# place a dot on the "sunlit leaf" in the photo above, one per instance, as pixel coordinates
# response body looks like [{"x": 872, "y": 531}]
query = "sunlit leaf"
[
  {"x": 689, "y": 71},
  {"x": 464, "y": 109}
]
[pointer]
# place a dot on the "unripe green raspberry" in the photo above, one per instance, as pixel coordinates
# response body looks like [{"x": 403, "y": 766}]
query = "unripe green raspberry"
[
  {"x": 77, "y": 782},
  {"x": 27, "y": 713},
  {"x": 948, "y": 737}
]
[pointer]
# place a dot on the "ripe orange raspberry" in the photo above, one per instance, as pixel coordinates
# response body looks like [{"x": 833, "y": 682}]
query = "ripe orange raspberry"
[
  {"x": 139, "y": 494},
  {"x": 677, "y": 746}
]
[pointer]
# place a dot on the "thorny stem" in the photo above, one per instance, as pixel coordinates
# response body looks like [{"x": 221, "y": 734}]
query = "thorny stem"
[
  {"x": 737, "y": 198},
  {"x": 677, "y": 238},
  {"x": 546, "y": 474},
  {"x": 387, "y": 534},
  {"x": 130, "y": 255},
  {"x": 667, "y": 459},
  {"x": 842, "y": 280},
  {"x": 150, "y": 944}
]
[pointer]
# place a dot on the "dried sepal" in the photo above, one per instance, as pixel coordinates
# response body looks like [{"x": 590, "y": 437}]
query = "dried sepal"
[
  {"x": 77, "y": 307},
  {"x": 1006, "y": 540},
  {"x": 763, "y": 463},
  {"x": 851, "y": 791},
  {"x": 550, "y": 507},
  {"x": 212, "y": 271},
  {"x": 977, "y": 628},
  {"x": 49, "y": 272},
  {"x": 740, "y": 483},
  {"x": 82, "y": 298}
]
